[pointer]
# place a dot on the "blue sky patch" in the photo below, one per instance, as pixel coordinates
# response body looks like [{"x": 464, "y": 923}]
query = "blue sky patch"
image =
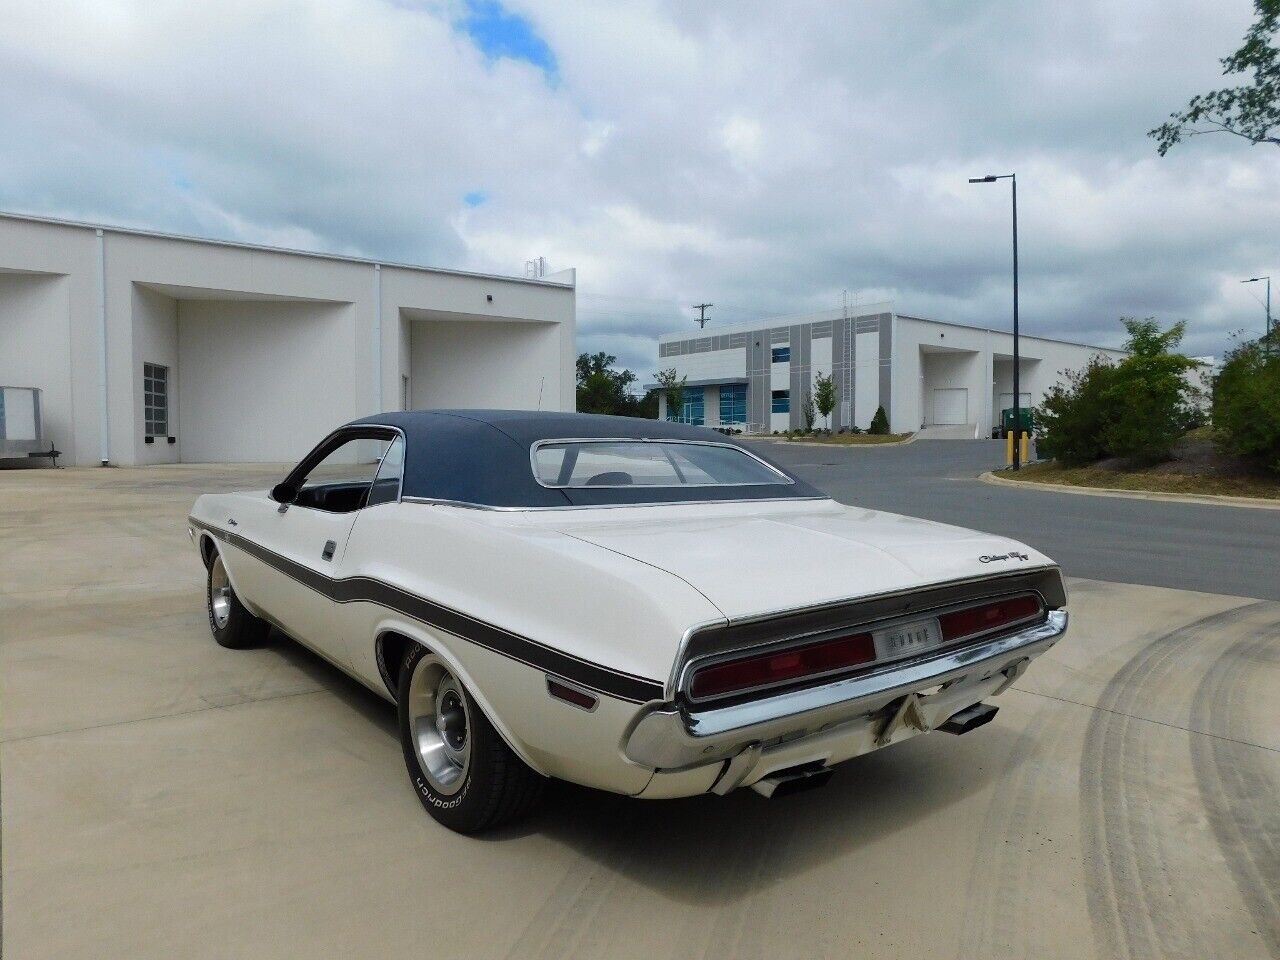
[
  {"x": 499, "y": 33},
  {"x": 475, "y": 198}
]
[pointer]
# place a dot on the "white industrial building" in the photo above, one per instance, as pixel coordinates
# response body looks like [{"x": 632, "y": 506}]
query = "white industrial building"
[
  {"x": 924, "y": 373},
  {"x": 150, "y": 348}
]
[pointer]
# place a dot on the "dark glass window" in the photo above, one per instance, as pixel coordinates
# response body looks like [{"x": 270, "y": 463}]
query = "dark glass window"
[
  {"x": 155, "y": 399},
  {"x": 782, "y": 401},
  {"x": 781, "y": 354}
]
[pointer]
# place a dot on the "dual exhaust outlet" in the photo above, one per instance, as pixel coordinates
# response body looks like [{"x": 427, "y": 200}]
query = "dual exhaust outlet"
[{"x": 810, "y": 776}]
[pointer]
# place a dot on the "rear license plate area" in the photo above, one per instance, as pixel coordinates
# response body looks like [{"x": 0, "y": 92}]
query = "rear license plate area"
[{"x": 906, "y": 639}]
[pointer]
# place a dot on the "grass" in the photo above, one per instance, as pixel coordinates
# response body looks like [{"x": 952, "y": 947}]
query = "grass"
[
  {"x": 1146, "y": 481},
  {"x": 852, "y": 439}
]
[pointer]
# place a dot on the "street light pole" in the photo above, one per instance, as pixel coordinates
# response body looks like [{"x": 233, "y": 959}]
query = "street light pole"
[
  {"x": 1017, "y": 395},
  {"x": 1267, "y": 340}
]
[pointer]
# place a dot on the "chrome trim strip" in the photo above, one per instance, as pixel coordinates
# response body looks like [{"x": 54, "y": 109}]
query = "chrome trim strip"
[
  {"x": 547, "y": 441},
  {"x": 466, "y": 505},
  {"x": 666, "y": 736}
]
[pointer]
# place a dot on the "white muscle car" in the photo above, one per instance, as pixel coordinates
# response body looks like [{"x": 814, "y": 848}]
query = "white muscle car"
[{"x": 642, "y": 607}]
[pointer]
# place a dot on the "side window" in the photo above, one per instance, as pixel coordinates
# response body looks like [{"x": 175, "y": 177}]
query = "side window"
[
  {"x": 386, "y": 483},
  {"x": 342, "y": 481}
]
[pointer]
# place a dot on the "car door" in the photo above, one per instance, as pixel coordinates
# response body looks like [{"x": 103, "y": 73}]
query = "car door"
[{"x": 305, "y": 536}]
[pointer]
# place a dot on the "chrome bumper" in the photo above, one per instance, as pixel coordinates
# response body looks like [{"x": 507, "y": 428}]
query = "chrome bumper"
[{"x": 667, "y": 737}]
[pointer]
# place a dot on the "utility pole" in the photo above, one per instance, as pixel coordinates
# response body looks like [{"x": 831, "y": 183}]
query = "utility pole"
[{"x": 702, "y": 309}]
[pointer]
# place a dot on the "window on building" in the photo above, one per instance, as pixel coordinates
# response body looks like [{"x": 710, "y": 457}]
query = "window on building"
[
  {"x": 693, "y": 410},
  {"x": 781, "y": 354},
  {"x": 782, "y": 401},
  {"x": 155, "y": 399},
  {"x": 733, "y": 403}
]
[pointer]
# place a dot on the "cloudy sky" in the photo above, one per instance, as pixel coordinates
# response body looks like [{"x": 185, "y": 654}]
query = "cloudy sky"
[{"x": 764, "y": 157}]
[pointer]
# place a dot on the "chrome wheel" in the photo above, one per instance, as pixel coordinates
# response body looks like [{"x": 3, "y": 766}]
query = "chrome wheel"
[
  {"x": 439, "y": 724},
  {"x": 219, "y": 594}
]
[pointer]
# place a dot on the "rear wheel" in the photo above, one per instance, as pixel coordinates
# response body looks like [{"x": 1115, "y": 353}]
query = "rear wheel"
[
  {"x": 233, "y": 626},
  {"x": 465, "y": 775}
]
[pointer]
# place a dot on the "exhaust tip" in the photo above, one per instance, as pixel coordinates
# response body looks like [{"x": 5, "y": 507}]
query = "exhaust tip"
[
  {"x": 970, "y": 718},
  {"x": 794, "y": 780}
]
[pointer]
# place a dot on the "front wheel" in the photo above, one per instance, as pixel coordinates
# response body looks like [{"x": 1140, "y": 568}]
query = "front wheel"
[
  {"x": 463, "y": 772},
  {"x": 233, "y": 626}
]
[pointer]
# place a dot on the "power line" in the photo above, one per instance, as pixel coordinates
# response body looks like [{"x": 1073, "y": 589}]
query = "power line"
[{"x": 702, "y": 313}]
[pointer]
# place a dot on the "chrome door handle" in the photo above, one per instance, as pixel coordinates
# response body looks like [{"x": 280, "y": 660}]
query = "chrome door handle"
[{"x": 327, "y": 552}]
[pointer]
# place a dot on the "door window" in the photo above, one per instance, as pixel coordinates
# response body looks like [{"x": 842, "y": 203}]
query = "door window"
[
  {"x": 343, "y": 479},
  {"x": 386, "y": 483}
]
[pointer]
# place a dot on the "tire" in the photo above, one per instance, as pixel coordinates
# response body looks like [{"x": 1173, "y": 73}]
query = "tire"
[
  {"x": 232, "y": 625},
  {"x": 462, "y": 770}
]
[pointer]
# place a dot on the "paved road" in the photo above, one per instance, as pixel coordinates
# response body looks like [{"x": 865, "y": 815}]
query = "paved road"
[
  {"x": 1215, "y": 549},
  {"x": 164, "y": 797}
]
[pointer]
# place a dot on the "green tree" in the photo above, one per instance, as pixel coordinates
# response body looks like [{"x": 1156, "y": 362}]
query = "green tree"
[
  {"x": 1074, "y": 415},
  {"x": 1251, "y": 110},
  {"x": 673, "y": 385},
  {"x": 807, "y": 410},
  {"x": 1150, "y": 396},
  {"x": 880, "y": 422},
  {"x": 1246, "y": 404},
  {"x": 602, "y": 389},
  {"x": 824, "y": 395}
]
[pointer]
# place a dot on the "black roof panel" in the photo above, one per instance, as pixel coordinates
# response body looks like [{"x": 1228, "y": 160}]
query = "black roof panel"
[{"x": 483, "y": 457}]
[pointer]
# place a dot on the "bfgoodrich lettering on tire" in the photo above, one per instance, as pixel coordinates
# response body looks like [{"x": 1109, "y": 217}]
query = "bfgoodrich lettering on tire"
[{"x": 460, "y": 767}]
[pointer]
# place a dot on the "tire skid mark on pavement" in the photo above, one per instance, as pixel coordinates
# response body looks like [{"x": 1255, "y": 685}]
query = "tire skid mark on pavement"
[
  {"x": 998, "y": 880},
  {"x": 1237, "y": 784},
  {"x": 1133, "y": 901}
]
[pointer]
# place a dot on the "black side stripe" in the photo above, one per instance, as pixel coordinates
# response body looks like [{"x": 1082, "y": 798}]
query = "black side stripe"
[{"x": 613, "y": 683}]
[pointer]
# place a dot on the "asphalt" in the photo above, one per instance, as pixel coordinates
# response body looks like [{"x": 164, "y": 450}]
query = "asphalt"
[
  {"x": 164, "y": 797},
  {"x": 1207, "y": 547}
]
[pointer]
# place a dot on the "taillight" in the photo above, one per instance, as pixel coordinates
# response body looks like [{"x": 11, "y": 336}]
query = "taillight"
[
  {"x": 988, "y": 616},
  {"x": 796, "y": 663}
]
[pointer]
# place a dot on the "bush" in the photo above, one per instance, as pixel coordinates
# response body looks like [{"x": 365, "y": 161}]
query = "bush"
[
  {"x": 1136, "y": 409},
  {"x": 1075, "y": 414},
  {"x": 880, "y": 422},
  {"x": 1246, "y": 405}
]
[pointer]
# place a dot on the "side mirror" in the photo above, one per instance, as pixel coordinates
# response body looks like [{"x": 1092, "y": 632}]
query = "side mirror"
[{"x": 284, "y": 494}]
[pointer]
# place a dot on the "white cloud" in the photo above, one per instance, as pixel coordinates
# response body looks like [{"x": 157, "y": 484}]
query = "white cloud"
[{"x": 760, "y": 157}]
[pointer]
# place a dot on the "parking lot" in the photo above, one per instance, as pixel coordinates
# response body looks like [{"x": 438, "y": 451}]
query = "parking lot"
[{"x": 163, "y": 797}]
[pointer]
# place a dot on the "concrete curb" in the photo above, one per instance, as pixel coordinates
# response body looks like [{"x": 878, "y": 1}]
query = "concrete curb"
[{"x": 1212, "y": 499}]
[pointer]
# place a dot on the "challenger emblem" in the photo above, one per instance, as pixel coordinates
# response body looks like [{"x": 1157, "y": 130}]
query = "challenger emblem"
[{"x": 1011, "y": 555}]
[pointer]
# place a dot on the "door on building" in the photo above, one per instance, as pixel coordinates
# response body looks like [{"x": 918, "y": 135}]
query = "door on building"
[{"x": 950, "y": 405}]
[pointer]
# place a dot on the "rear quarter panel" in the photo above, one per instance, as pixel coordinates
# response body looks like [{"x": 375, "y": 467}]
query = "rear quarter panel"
[{"x": 592, "y": 604}]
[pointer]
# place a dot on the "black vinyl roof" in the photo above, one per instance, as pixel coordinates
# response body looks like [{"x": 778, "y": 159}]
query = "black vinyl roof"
[{"x": 483, "y": 457}]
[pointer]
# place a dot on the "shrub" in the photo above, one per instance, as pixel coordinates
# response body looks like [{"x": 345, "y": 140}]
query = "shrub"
[
  {"x": 1136, "y": 409},
  {"x": 1150, "y": 396},
  {"x": 1246, "y": 404},
  {"x": 880, "y": 422},
  {"x": 1075, "y": 414}
]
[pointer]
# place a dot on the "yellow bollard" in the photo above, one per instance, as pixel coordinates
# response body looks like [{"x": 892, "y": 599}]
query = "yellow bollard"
[
  {"x": 1008, "y": 455},
  {"x": 1026, "y": 446}
]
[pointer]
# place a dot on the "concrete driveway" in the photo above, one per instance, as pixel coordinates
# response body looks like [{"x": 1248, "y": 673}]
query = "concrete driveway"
[{"x": 163, "y": 797}]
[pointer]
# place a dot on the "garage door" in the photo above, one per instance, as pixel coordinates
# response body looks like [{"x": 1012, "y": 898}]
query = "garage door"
[{"x": 950, "y": 405}]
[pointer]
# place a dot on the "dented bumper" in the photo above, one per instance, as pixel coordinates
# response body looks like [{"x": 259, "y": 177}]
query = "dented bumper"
[{"x": 836, "y": 720}]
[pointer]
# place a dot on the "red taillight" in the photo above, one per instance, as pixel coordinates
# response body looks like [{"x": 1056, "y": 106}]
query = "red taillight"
[
  {"x": 793, "y": 664},
  {"x": 988, "y": 616}
]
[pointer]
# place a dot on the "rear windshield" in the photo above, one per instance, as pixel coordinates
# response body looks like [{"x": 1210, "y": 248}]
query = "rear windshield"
[{"x": 648, "y": 463}]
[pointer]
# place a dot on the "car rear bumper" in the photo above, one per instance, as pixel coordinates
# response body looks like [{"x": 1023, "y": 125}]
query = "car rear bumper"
[{"x": 850, "y": 713}]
